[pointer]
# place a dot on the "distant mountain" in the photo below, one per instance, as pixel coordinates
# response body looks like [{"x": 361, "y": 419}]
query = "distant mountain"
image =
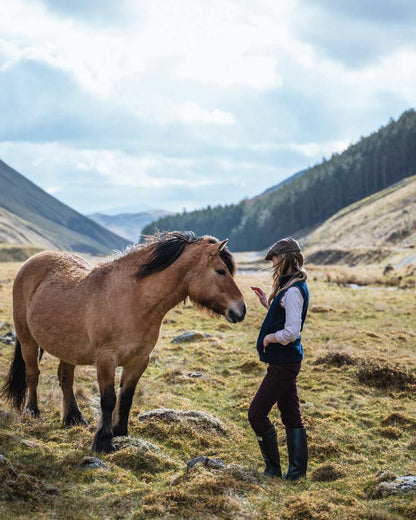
[
  {"x": 128, "y": 225},
  {"x": 308, "y": 198},
  {"x": 29, "y": 215}
]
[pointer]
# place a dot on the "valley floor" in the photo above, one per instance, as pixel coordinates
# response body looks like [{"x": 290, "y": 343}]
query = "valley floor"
[{"x": 357, "y": 389}]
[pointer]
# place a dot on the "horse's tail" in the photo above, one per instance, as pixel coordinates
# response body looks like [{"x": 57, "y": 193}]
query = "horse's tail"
[{"x": 14, "y": 389}]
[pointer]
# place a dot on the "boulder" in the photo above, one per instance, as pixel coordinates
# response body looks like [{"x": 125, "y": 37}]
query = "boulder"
[
  {"x": 93, "y": 463},
  {"x": 398, "y": 485},
  {"x": 205, "y": 461},
  {"x": 191, "y": 336},
  {"x": 8, "y": 338}
]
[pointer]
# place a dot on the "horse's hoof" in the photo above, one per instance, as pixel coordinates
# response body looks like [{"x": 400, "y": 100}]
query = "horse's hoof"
[
  {"x": 120, "y": 432},
  {"x": 32, "y": 412},
  {"x": 74, "y": 420},
  {"x": 104, "y": 445}
]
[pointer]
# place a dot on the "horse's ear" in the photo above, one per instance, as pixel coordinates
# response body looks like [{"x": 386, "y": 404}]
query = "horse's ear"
[{"x": 221, "y": 245}]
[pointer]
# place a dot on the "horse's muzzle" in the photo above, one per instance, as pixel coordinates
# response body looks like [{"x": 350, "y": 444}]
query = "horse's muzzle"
[{"x": 236, "y": 312}]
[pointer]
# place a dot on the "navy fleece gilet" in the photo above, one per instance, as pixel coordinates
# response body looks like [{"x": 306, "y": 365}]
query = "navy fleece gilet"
[{"x": 274, "y": 321}]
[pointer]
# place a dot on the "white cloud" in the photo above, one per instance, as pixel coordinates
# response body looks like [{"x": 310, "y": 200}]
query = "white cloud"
[
  {"x": 189, "y": 113},
  {"x": 53, "y": 189},
  {"x": 190, "y": 93},
  {"x": 203, "y": 42},
  {"x": 307, "y": 149}
]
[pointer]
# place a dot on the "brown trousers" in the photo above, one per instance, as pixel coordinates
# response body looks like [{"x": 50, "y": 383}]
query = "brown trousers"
[{"x": 278, "y": 386}]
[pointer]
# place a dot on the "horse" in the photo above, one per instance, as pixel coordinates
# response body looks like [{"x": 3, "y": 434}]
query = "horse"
[{"x": 110, "y": 315}]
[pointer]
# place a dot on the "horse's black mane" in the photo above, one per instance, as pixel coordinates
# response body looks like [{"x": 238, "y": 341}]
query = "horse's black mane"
[{"x": 168, "y": 246}]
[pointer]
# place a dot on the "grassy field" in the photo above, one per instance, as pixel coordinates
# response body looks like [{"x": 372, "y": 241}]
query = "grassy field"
[{"x": 357, "y": 389}]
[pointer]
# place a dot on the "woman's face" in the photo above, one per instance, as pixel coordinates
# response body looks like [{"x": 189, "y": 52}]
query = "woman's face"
[{"x": 275, "y": 260}]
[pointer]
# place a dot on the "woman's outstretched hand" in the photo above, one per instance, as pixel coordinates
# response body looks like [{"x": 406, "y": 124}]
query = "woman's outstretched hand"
[{"x": 261, "y": 296}]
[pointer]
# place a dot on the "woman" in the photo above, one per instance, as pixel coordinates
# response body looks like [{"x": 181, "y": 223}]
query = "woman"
[{"x": 279, "y": 345}]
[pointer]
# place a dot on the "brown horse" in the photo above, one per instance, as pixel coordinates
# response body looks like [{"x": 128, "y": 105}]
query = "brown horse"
[{"x": 111, "y": 315}]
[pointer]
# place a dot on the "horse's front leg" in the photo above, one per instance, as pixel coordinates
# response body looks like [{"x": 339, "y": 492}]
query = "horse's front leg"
[
  {"x": 129, "y": 378},
  {"x": 103, "y": 440}
]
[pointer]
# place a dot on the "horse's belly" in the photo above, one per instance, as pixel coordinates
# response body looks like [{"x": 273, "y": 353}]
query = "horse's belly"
[
  {"x": 80, "y": 356},
  {"x": 76, "y": 351}
]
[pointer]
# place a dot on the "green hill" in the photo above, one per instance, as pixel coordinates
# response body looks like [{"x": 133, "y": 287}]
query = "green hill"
[
  {"x": 30, "y": 216},
  {"x": 298, "y": 206}
]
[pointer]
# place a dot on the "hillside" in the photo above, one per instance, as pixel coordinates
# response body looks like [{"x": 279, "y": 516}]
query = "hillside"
[
  {"x": 378, "y": 227},
  {"x": 305, "y": 201},
  {"x": 128, "y": 225},
  {"x": 29, "y": 215}
]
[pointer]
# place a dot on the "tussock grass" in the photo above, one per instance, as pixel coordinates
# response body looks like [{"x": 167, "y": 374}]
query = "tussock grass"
[
  {"x": 327, "y": 473},
  {"x": 336, "y": 359},
  {"x": 356, "y": 428},
  {"x": 385, "y": 376}
]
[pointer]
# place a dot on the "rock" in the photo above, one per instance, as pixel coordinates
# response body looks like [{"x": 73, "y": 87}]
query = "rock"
[
  {"x": 399, "y": 485},
  {"x": 93, "y": 463},
  {"x": 133, "y": 442},
  {"x": 177, "y": 376},
  {"x": 196, "y": 417},
  {"x": 193, "y": 374},
  {"x": 8, "y": 338},
  {"x": 205, "y": 461},
  {"x": 189, "y": 337}
]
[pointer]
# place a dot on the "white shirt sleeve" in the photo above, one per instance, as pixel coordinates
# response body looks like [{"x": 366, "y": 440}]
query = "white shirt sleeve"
[{"x": 292, "y": 302}]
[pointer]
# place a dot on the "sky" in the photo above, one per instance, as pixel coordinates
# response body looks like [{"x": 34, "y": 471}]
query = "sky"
[{"x": 117, "y": 106}]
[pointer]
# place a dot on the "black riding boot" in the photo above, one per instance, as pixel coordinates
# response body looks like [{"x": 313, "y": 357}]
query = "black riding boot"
[
  {"x": 270, "y": 452},
  {"x": 297, "y": 448}
]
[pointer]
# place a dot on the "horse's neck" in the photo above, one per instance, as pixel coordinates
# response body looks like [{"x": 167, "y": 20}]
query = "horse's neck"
[{"x": 165, "y": 289}]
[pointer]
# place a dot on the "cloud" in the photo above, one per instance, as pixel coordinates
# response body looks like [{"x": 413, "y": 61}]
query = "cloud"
[
  {"x": 205, "y": 101},
  {"x": 53, "y": 189},
  {"x": 96, "y": 11},
  {"x": 357, "y": 33},
  {"x": 386, "y": 11},
  {"x": 306, "y": 149},
  {"x": 89, "y": 180}
]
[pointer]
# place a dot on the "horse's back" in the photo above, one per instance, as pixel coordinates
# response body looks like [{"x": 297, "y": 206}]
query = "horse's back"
[
  {"x": 42, "y": 275},
  {"x": 51, "y": 266}
]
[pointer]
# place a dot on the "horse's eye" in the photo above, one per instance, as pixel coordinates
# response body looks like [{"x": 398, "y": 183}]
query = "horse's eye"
[{"x": 221, "y": 272}]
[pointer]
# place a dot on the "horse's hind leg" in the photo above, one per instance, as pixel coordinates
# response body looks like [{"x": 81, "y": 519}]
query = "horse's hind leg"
[
  {"x": 30, "y": 354},
  {"x": 129, "y": 378},
  {"x": 71, "y": 413}
]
